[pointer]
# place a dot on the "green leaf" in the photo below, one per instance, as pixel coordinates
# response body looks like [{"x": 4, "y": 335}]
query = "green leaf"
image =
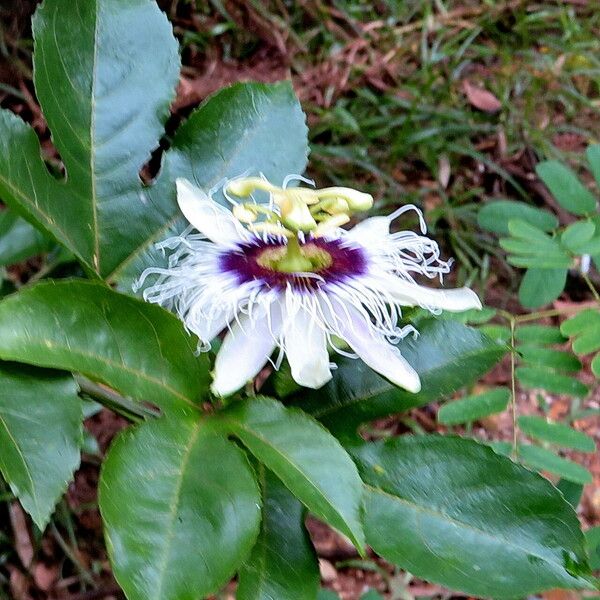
[
  {"x": 19, "y": 240},
  {"x": 556, "y": 433},
  {"x": 246, "y": 128},
  {"x": 577, "y": 233},
  {"x": 587, "y": 342},
  {"x": 473, "y": 408},
  {"x": 305, "y": 456},
  {"x": 545, "y": 460},
  {"x": 571, "y": 491},
  {"x": 592, "y": 539},
  {"x": 592, "y": 154},
  {"x": 327, "y": 595},
  {"x": 40, "y": 436},
  {"x": 495, "y": 215},
  {"x": 548, "y": 357},
  {"x": 447, "y": 355},
  {"x": 539, "y": 334},
  {"x": 137, "y": 348},
  {"x": 546, "y": 379},
  {"x": 181, "y": 509},
  {"x": 105, "y": 73},
  {"x": 528, "y": 232},
  {"x": 596, "y": 365},
  {"x": 564, "y": 185},
  {"x": 550, "y": 262},
  {"x": 372, "y": 595},
  {"x": 452, "y": 511},
  {"x": 541, "y": 286},
  {"x": 283, "y": 563},
  {"x": 581, "y": 322}
]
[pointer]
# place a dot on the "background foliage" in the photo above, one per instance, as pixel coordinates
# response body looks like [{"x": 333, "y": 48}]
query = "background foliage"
[{"x": 471, "y": 110}]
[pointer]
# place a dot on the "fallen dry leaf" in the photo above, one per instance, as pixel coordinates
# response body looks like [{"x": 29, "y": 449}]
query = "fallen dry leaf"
[
  {"x": 480, "y": 98},
  {"x": 23, "y": 543}
]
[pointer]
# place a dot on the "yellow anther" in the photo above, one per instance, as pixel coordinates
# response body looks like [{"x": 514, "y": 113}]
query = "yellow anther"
[
  {"x": 244, "y": 214},
  {"x": 356, "y": 200},
  {"x": 244, "y": 186},
  {"x": 332, "y": 206},
  {"x": 331, "y": 223},
  {"x": 271, "y": 228},
  {"x": 295, "y": 213}
]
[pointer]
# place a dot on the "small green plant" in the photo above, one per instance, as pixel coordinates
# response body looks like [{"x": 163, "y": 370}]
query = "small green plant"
[
  {"x": 537, "y": 243},
  {"x": 210, "y": 480}
]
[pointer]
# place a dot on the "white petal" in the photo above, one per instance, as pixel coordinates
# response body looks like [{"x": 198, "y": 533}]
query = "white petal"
[
  {"x": 210, "y": 218},
  {"x": 377, "y": 352},
  {"x": 306, "y": 350},
  {"x": 245, "y": 350},
  {"x": 373, "y": 229},
  {"x": 411, "y": 294}
]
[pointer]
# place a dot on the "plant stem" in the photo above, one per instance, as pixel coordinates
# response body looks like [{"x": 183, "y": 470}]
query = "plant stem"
[
  {"x": 592, "y": 287},
  {"x": 513, "y": 400},
  {"x": 134, "y": 411}
]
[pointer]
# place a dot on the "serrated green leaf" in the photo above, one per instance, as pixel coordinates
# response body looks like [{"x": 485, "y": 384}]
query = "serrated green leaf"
[
  {"x": 545, "y": 460},
  {"x": 19, "y": 240},
  {"x": 564, "y": 185},
  {"x": 539, "y": 334},
  {"x": 592, "y": 154},
  {"x": 473, "y": 408},
  {"x": 40, "y": 436},
  {"x": 556, "y": 433},
  {"x": 548, "y": 357},
  {"x": 494, "y": 216},
  {"x": 578, "y": 233},
  {"x": 452, "y": 511},
  {"x": 541, "y": 286},
  {"x": 181, "y": 509},
  {"x": 447, "y": 355},
  {"x": 283, "y": 563},
  {"x": 246, "y": 128},
  {"x": 546, "y": 379},
  {"x": 139, "y": 349},
  {"x": 305, "y": 456},
  {"x": 571, "y": 491},
  {"x": 105, "y": 73}
]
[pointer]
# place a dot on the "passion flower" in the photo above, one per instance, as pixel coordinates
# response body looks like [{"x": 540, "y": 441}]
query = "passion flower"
[{"x": 286, "y": 276}]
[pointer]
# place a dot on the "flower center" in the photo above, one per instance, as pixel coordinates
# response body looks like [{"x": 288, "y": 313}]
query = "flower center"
[
  {"x": 307, "y": 258},
  {"x": 318, "y": 262}
]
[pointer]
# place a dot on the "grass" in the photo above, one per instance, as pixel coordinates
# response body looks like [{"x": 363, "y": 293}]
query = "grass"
[{"x": 382, "y": 84}]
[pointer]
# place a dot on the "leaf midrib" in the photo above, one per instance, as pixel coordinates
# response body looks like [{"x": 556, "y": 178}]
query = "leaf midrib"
[
  {"x": 174, "y": 507},
  {"x": 25, "y": 465},
  {"x": 444, "y": 517},
  {"x": 236, "y": 425},
  {"x": 45, "y": 342}
]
